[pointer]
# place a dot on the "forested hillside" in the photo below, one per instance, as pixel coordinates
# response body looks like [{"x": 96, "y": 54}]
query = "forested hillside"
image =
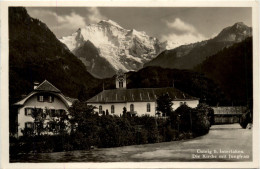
[
  {"x": 232, "y": 70},
  {"x": 36, "y": 54}
]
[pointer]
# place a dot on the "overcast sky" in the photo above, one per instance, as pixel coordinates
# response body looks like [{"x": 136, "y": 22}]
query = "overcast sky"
[{"x": 181, "y": 25}]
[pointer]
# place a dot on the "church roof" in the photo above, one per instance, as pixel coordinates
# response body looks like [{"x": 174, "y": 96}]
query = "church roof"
[
  {"x": 138, "y": 95},
  {"x": 47, "y": 86}
]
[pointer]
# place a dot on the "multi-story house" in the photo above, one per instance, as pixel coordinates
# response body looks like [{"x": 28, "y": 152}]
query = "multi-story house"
[{"x": 48, "y": 102}]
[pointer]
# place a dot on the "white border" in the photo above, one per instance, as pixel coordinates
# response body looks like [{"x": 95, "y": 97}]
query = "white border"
[{"x": 115, "y": 3}]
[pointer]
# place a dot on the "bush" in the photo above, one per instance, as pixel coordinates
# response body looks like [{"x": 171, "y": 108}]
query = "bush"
[
  {"x": 185, "y": 119},
  {"x": 171, "y": 134},
  {"x": 246, "y": 118},
  {"x": 141, "y": 137},
  {"x": 201, "y": 123},
  {"x": 92, "y": 130}
]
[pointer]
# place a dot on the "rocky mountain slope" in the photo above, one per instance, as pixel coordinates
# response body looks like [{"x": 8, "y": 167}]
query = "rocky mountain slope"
[
  {"x": 35, "y": 54},
  {"x": 117, "y": 47},
  {"x": 188, "y": 56}
]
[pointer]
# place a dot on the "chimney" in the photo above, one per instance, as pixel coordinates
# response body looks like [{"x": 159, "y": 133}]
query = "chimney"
[{"x": 35, "y": 85}]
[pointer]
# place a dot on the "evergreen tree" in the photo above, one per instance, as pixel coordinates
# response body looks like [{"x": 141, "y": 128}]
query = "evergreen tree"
[{"x": 164, "y": 104}]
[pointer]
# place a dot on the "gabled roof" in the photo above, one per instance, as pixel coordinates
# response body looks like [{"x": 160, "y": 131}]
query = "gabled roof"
[
  {"x": 47, "y": 86},
  {"x": 138, "y": 95}
]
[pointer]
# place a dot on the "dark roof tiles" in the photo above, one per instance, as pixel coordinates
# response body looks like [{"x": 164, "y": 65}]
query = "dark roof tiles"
[
  {"x": 47, "y": 86},
  {"x": 138, "y": 95}
]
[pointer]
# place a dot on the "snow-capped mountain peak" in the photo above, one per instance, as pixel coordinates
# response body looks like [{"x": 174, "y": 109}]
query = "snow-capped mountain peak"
[
  {"x": 124, "y": 49},
  {"x": 110, "y": 22}
]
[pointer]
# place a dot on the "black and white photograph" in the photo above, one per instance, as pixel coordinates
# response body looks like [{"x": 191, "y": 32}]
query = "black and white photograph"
[{"x": 105, "y": 84}]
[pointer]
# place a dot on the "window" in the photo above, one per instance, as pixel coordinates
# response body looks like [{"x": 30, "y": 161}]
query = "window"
[
  {"x": 112, "y": 109},
  {"x": 185, "y": 103},
  {"x": 50, "y": 99},
  {"x": 28, "y": 111},
  {"x": 61, "y": 112},
  {"x": 100, "y": 109},
  {"x": 148, "y": 107},
  {"x": 28, "y": 125},
  {"x": 181, "y": 103},
  {"x": 48, "y": 112},
  {"x": 120, "y": 84},
  {"x": 132, "y": 108},
  {"x": 40, "y": 98},
  {"x": 52, "y": 113}
]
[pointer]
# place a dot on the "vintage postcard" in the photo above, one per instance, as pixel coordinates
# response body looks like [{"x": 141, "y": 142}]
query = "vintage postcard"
[{"x": 152, "y": 84}]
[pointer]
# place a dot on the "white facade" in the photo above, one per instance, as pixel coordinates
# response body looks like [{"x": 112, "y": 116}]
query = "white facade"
[
  {"x": 32, "y": 102},
  {"x": 141, "y": 108},
  {"x": 138, "y": 101},
  {"x": 50, "y": 103}
]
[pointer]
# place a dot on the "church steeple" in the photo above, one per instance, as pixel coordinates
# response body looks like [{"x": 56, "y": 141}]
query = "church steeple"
[{"x": 120, "y": 80}]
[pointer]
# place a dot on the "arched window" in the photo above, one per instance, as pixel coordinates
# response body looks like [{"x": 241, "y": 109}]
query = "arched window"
[
  {"x": 148, "y": 107},
  {"x": 132, "y": 108},
  {"x": 112, "y": 109},
  {"x": 100, "y": 109}
]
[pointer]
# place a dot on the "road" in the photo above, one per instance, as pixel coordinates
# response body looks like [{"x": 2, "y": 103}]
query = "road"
[{"x": 222, "y": 143}]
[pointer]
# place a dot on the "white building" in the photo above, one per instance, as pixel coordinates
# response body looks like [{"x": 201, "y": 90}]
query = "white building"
[
  {"x": 45, "y": 98},
  {"x": 139, "y": 101}
]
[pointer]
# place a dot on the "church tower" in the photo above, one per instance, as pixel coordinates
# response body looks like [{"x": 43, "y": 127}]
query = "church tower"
[{"x": 120, "y": 80}]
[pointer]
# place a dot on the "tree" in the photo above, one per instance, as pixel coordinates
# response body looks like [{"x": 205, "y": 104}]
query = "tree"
[
  {"x": 59, "y": 124},
  {"x": 201, "y": 120},
  {"x": 39, "y": 117},
  {"x": 181, "y": 119},
  {"x": 124, "y": 111},
  {"x": 84, "y": 125},
  {"x": 79, "y": 113},
  {"x": 247, "y": 117},
  {"x": 164, "y": 104}
]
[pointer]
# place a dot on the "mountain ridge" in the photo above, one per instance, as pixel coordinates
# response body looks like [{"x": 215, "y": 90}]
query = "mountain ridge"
[
  {"x": 123, "y": 49},
  {"x": 188, "y": 56}
]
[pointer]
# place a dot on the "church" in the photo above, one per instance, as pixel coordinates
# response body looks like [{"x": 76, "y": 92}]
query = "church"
[{"x": 138, "y": 101}]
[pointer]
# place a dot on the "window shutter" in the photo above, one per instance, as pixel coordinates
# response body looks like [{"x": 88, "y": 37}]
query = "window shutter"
[
  {"x": 25, "y": 111},
  {"x": 51, "y": 99}
]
